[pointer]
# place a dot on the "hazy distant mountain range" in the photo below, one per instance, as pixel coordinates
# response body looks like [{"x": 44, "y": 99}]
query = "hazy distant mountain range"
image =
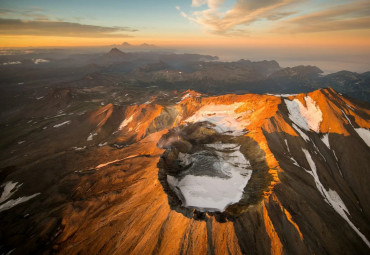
[{"x": 32, "y": 73}]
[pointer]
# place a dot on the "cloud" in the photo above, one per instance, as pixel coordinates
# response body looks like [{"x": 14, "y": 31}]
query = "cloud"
[
  {"x": 34, "y": 13},
  {"x": 242, "y": 14},
  {"x": 198, "y": 3},
  {"x": 59, "y": 28},
  {"x": 279, "y": 15},
  {"x": 355, "y": 15}
]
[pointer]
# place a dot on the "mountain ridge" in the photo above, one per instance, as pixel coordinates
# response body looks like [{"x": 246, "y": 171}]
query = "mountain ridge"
[{"x": 308, "y": 154}]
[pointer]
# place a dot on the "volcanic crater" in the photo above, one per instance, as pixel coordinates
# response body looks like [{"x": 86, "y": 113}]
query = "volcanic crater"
[{"x": 204, "y": 172}]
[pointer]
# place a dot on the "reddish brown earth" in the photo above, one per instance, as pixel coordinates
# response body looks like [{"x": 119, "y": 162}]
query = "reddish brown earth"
[{"x": 105, "y": 200}]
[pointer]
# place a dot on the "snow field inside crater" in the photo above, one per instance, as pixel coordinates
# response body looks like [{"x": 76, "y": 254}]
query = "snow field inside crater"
[{"x": 208, "y": 192}]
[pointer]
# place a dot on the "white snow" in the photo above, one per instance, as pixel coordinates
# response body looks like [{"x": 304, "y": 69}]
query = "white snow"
[
  {"x": 63, "y": 123},
  {"x": 40, "y": 60},
  {"x": 38, "y": 98},
  {"x": 213, "y": 193},
  {"x": 325, "y": 139},
  {"x": 301, "y": 133},
  {"x": 223, "y": 146},
  {"x": 20, "y": 142},
  {"x": 12, "y": 63},
  {"x": 332, "y": 197},
  {"x": 308, "y": 117},
  {"x": 13, "y": 202},
  {"x": 286, "y": 143},
  {"x": 9, "y": 189},
  {"x": 295, "y": 162},
  {"x": 125, "y": 122},
  {"x": 114, "y": 161},
  {"x": 56, "y": 116},
  {"x": 335, "y": 155},
  {"x": 281, "y": 95},
  {"x": 345, "y": 115},
  {"x": 103, "y": 144},
  {"x": 187, "y": 95},
  {"x": 79, "y": 148},
  {"x": 91, "y": 136},
  {"x": 364, "y": 134},
  {"x": 350, "y": 107},
  {"x": 224, "y": 117}
]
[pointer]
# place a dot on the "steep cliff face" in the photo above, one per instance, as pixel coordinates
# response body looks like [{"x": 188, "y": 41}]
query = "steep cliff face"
[{"x": 233, "y": 174}]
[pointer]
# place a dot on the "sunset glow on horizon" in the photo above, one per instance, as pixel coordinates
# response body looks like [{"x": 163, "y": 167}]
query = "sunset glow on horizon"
[
  {"x": 185, "y": 23},
  {"x": 333, "y": 34}
]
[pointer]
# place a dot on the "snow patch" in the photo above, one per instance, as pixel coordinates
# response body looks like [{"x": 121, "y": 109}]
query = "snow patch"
[
  {"x": 79, "y": 148},
  {"x": 325, "y": 139},
  {"x": 13, "y": 202},
  {"x": 213, "y": 193},
  {"x": 281, "y": 95},
  {"x": 350, "y": 107},
  {"x": 364, "y": 134},
  {"x": 125, "y": 122},
  {"x": 331, "y": 197},
  {"x": 308, "y": 117},
  {"x": 62, "y": 124},
  {"x": 91, "y": 136},
  {"x": 39, "y": 60},
  {"x": 187, "y": 95},
  {"x": 286, "y": 143},
  {"x": 12, "y": 63},
  {"x": 9, "y": 189},
  {"x": 114, "y": 161},
  {"x": 224, "y": 117},
  {"x": 223, "y": 146},
  {"x": 345, "y": 115},
  {"x": 301, "y": 133},
  {"x": 295, "y": 162}
]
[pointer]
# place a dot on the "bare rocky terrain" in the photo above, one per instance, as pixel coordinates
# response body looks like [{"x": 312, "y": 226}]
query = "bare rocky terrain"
[{"x": 113, "y": 155}]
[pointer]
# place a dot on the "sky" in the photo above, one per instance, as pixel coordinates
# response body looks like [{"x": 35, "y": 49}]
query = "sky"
[{"x": 301, "y": 25}]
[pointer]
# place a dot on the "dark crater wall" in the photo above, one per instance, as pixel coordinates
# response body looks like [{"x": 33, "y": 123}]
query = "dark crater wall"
[{"x": 191, "y": 139}]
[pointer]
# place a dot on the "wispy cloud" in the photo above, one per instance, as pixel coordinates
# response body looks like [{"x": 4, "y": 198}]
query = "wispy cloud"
[
  {"x": 32, "y": 13},
  {"x": 238, "y": 19},
  {"x": 60, "y": 28},
  {"x": 235, "y": 20},
  {"x": 355, "y": 15}
]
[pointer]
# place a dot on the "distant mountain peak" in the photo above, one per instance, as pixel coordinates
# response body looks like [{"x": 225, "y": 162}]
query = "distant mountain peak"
[
  {"x": 143, "y": 45},
  {"x": 115, "y": 52},
  {"x": 126, "y": 44}
]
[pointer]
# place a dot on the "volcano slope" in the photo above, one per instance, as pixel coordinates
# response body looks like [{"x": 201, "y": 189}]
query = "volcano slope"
[{"x": 233, "y": 174}]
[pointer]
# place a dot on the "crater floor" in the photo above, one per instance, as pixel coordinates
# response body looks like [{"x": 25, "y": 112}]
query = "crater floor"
[{"x": 214, "y": 178}]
